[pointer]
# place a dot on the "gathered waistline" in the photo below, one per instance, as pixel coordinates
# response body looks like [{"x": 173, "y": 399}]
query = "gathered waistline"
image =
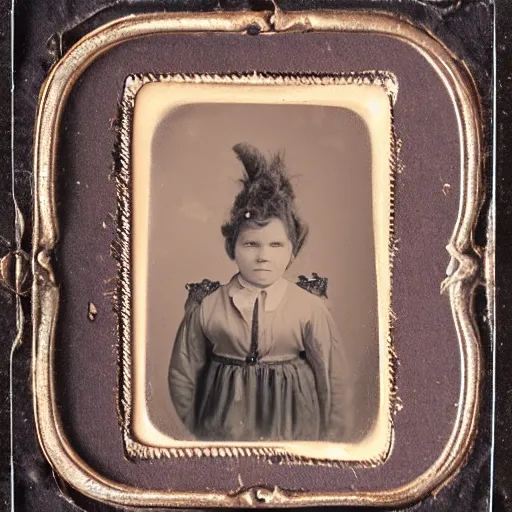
[{"x": 244, "y": 362}]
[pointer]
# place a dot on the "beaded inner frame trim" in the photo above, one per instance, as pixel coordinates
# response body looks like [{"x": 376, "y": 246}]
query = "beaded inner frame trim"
[
  {"x": 122, "y": 251},
  {"x": 463, "y": 271}
]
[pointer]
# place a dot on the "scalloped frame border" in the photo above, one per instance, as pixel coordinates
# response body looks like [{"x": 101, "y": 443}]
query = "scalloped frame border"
[
  {"x": 123, "y": 252},
  {"x": 463, "y": 271}
]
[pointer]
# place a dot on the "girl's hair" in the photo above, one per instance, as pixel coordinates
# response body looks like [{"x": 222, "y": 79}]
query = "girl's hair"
[{"x": 266, "y": 194}]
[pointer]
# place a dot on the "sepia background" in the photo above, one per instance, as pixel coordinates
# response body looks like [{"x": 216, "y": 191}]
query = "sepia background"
[{"x": 194, "y": 179}]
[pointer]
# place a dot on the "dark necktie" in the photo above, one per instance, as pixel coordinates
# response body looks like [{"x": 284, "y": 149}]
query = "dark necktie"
[{"x": 254, "y": 354}]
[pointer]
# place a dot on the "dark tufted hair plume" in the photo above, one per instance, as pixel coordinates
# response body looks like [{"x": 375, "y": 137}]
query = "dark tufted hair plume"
[{"x": 266, "y": 194}]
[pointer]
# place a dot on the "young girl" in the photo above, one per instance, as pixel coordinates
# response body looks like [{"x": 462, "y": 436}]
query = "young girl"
[{"x": 260, "y": 358}]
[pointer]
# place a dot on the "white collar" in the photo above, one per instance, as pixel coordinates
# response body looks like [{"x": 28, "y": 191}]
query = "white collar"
[{"x": 243, "y": 292}]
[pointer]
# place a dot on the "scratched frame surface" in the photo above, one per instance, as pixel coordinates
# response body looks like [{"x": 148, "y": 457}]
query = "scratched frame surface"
[{"x": 459, "y": 285}]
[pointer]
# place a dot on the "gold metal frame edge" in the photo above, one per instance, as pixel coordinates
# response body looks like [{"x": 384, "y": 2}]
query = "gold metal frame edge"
[{"x": 464, "y": 268}]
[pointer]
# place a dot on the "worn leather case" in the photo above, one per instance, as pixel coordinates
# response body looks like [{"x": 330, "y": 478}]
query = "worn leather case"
[{"x": 44, "y": 32}]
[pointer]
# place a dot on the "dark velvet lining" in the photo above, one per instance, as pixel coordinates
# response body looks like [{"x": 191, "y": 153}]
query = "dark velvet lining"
[{"x": 425, "y": 337}]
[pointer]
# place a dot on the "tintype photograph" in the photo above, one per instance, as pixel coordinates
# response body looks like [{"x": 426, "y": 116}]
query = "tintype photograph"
[{"x": 261, "y": 263}]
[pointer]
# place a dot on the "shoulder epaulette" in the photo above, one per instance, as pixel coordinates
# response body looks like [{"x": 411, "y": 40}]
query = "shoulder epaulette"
[
  {"x": 198, "y": 291},
  {"x": 315, "y": 284}
]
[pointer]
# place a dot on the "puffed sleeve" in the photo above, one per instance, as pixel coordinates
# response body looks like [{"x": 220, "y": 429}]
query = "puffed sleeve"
[
  {"x": 189, "y": 356},
  {"x": 327, "y": 356}
]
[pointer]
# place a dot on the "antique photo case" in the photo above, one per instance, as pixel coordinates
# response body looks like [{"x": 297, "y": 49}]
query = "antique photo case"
[{"x": 254, "y": 261}]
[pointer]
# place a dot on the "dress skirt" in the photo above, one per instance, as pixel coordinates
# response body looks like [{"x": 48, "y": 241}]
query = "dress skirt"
[{"x": 275, "y": 401}]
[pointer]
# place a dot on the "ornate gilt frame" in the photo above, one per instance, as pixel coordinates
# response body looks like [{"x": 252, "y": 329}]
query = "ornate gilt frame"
[{"x": 463, "y": 270}]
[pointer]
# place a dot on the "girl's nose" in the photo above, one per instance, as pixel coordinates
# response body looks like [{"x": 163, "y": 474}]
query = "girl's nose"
[{"x": 262, "y": 256}]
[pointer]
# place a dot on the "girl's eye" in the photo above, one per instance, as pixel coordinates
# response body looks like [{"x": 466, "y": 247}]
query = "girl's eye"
[
  {"x": 276, "y": 244},
  {"x": 250, "y": 244}
]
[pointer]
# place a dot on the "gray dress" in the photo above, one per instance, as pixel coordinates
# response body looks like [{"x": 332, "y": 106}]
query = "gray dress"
[{"x": 280, "y": 374}]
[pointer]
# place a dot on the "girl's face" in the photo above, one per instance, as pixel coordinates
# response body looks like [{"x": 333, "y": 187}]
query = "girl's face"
[{"x": 263, "y": 253}]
